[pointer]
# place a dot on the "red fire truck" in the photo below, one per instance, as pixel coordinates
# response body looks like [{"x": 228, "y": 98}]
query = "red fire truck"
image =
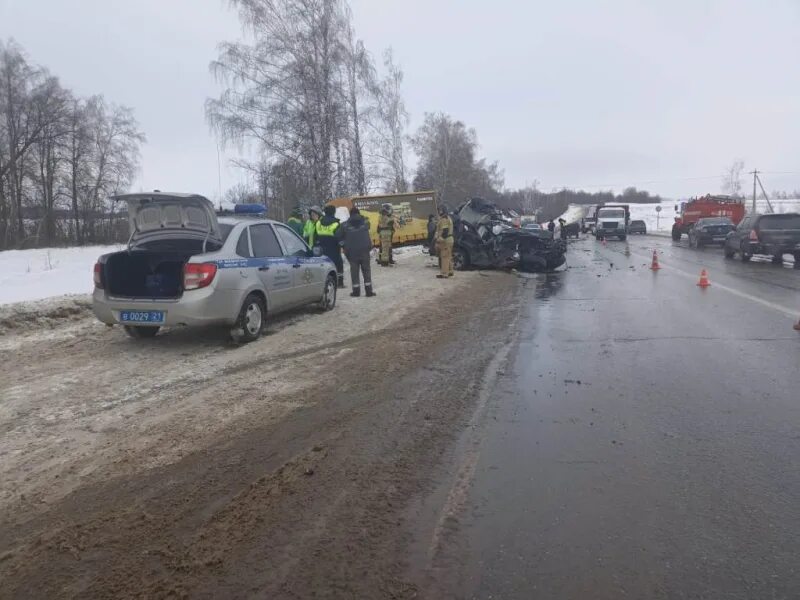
[{"x": 706, "y": 206}]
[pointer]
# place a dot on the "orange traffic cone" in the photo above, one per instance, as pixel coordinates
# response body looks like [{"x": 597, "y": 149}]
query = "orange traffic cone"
[
  {"x": 655, "y": 266},
  {"x": 604, "y": 241},
  {"x": 704, "y": 282}
]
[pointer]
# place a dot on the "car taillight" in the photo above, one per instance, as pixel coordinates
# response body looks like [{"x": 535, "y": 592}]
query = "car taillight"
[
  {"x": 198, "y": 275},
  {"x": 753, "y": 235},
  {"x": 98, "y": 275}
]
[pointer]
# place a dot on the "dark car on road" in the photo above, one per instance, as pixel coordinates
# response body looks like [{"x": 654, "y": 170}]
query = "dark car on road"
[
  {"x": 639, "y": 227},
  {"x": 710, "y": 230},
  {"x": 771, "y": 235}
]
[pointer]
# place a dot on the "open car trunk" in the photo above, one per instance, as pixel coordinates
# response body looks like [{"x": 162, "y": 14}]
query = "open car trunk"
[
  {"x": 166, "y": 230},
  {"x": 145, "y": 274},
  {"x": 151, "y": 270}
]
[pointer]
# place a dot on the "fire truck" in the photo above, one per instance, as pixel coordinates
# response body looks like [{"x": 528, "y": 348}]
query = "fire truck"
[{"x": 706, "y": 206}]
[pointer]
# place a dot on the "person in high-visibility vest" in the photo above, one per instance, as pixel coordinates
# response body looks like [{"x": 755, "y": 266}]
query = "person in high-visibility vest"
[
  {"x": 295, "y": 221},
  {"x": 444, "y": 243},
  {"x": 327, "y": 236},
  {"x": 310, "y": 228},
  {"x": 386, "y": 225}
]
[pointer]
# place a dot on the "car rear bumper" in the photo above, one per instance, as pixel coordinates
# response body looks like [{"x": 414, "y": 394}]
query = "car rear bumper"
[
  {"x": 709, "y": 240},
  {"x": 194, "y": 308},
  {"x": 773, "y": 250}
]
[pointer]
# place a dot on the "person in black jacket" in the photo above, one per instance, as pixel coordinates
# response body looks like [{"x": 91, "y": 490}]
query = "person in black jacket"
[
  {"x": 431, "y": 234},
  {"x": 357, "y": 243},
  {"x": 328, "y": 239}
]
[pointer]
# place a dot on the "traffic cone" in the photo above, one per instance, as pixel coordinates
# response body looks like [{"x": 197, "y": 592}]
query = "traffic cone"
[
  {"x": 654, "y": 266},
  {"x": 604, "y": 241},
  {"x": 704, "y": 282}
]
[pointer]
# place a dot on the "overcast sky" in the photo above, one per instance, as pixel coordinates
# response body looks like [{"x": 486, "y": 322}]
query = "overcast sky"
[{"x": 659, "y": 94}]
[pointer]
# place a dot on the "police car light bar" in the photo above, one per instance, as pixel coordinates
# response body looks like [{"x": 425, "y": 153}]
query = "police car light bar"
[{"x": 249, "y": 209}]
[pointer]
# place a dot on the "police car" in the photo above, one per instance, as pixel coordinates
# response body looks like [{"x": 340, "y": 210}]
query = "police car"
[{"x": 185, "y": 265}]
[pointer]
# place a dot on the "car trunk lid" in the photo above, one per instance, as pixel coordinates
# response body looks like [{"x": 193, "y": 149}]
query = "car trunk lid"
[{"x": 160, "y": 216}]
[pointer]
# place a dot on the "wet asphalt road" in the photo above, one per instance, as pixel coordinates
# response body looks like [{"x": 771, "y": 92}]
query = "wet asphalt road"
[{"x": 644, "y": 441}]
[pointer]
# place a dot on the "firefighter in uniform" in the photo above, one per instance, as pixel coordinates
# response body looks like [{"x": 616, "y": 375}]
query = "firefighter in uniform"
[
  {"x": 444, "y": 243},
  {"x": 385, "y": 233},
  {"x": 327, "y": 236}
]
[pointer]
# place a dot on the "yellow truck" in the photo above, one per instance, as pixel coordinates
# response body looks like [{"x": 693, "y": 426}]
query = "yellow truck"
[{"x": 411, "y": 211}]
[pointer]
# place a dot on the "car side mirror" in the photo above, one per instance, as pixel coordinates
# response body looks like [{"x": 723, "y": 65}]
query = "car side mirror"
[{"x": 316, "y": 251}]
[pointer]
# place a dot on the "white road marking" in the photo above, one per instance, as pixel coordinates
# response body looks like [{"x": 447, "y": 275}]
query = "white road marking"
[{"x": 744, "y": 295}]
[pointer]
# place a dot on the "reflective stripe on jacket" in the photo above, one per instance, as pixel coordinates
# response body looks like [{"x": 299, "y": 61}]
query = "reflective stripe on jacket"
[{"x": 327, "y": 230}]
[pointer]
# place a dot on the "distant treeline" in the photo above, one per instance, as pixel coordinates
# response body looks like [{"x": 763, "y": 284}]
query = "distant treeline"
[{"x": 549, "y": 205}]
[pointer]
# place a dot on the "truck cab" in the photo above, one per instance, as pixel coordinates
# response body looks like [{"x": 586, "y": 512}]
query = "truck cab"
[{"x": 612, "y": 221}]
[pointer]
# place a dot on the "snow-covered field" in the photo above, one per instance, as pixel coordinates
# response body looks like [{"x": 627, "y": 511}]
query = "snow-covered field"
[{"x": 45, "y": 272}]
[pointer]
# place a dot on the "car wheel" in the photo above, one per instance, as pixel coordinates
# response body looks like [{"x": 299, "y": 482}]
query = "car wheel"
[
  {"x": 460, "y": 260},
  {"x": 250, "y": 322},
  {"x": 141, "y": 333},
  {"x": 328, "y": 301},
  {"x": 676, "y": 234},
  {"x": 797, "y": 261},
  {"x": 622, "y": 238},
  {"x": 744, "y": 255},
  {"x": 728, "y": 252},
  {"x": 777, "y": 259}
]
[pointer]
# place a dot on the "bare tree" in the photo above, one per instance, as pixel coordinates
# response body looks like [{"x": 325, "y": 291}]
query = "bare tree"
[
  {"x": 360, "y": 80},
  {"x": 285, "y": 93},
  {"x": 388, "y": 125},
  {"x": 57, "y": 152},
  {"x": 446, "y": 149},
  {"x": 732, "y": 179}
]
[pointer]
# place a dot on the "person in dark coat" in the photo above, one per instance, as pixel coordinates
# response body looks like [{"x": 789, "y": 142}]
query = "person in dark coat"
[
  {"x": 562, "y": 224},
  {"x": 356, "y": 241},
  {"x": 431, "y": 234},
  {"x": 327, "y": 237},
  {"x": 551, "y": 226}
]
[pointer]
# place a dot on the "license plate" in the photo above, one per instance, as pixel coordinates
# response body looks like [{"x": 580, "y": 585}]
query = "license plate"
[
  {"x": 141, "y": 316},
  {"x": 719, "y": 239}
]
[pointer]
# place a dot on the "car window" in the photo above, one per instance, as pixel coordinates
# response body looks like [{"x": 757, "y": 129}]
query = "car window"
[
  {"x": 265, "y": 244},
  {"x": 292, "y": 243},
  {"x": 225, "y": 230},
  {"x": 780, "y": 222},
  {"x": 243, "y": 245}
]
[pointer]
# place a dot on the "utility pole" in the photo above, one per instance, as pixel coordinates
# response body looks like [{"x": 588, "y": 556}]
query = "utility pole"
[{"x": 757, "y": 181}]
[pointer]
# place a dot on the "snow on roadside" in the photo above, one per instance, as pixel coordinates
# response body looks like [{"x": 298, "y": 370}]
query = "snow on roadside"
[
  {"x": 45, "y": 272},
  {"x": 574, "y": 213}
]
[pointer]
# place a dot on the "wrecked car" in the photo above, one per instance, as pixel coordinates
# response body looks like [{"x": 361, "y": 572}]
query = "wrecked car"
[{"x": 485, "y": 237}]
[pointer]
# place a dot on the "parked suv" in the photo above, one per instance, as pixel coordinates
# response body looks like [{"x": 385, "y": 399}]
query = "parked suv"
[
  {"x": 710, "y": 230},
  {"x": 184, "y": 266},
  {"x": 773, "y": 235}
]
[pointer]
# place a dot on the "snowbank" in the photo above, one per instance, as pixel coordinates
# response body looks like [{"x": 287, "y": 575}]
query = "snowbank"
[
  {"x": 654, "y": 220},
  {"x": 45, "y": 272},
  {"x": 574, "y": 213}
]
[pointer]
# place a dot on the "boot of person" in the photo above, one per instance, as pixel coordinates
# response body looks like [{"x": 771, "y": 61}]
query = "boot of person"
[
  {"x": 356, "y": 292},
  {"x": 370, "y": 293},
  {"x": 340, "y": 283}
]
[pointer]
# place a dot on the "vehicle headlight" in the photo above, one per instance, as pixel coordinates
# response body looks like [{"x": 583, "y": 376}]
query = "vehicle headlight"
[{"x": 515, "y": 256}]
